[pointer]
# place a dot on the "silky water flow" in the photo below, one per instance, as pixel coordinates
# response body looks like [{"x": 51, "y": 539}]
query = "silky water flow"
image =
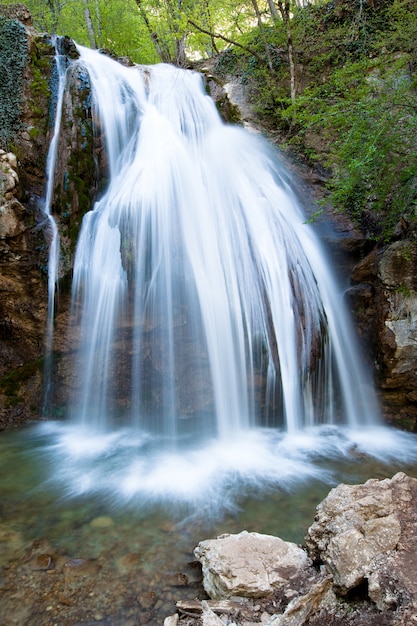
[{"x": 215, "y": 352}]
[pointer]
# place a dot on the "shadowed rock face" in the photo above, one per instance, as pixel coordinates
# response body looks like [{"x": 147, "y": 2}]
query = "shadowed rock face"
[{"x": 384, "y": 298}]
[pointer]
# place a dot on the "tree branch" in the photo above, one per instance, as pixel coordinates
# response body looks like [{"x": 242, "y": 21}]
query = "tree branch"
[{"x": 227, "y": 40}]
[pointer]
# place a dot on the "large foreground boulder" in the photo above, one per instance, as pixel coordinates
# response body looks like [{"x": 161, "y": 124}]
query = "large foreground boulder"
[
  {"x": 249, "y": 564},
  {"x": 366, "y": 534}
]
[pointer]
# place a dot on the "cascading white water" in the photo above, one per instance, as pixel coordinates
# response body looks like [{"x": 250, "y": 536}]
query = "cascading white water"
[
  {"x": 206, "y": 304},
  {"x": 61, "y": 65}
]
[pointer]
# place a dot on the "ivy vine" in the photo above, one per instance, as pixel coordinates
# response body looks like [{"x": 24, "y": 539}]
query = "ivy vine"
[{"x": 13, "y": 59}]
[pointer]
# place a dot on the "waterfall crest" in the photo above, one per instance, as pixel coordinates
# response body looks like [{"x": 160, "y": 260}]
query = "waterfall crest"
[{"x": 204, "y": 302}]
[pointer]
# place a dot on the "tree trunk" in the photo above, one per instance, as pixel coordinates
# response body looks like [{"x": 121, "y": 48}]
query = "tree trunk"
[
  {"x": 180, "y": 58},
  {"x": 284, "y": 9},
  {"x": 55, "y": 9},
  {"x": 161, "y": 50},
  {"x": 273, "y": 9},
  {"x": 99, "y": 33},
  {"x": 262, "y": 34},
  {"x": 90, "y": 27},
  {"x": 207, "y": 21}
]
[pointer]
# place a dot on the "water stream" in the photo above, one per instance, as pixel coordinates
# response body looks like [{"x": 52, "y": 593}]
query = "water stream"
[{"x": 59, "y": 75}]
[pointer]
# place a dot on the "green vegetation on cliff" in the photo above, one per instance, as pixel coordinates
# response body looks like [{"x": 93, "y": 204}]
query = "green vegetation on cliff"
[
  {"x": 13, "y": 59},
  {"x": 355, "y": 114}
]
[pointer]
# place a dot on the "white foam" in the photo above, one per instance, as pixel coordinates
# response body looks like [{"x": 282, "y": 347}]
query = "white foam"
[{"x": 128, "y": 467}]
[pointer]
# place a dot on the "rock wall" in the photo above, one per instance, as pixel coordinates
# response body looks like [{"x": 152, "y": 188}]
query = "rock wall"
[
  {"x": 384, "y": 298},
  {"x": 27, "y": 107},
  {"x": 25, "y": 62}
]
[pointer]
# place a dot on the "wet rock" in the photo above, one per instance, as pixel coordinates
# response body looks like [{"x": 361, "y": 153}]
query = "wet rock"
[
  {"x": 129, "y": 562},
  {"x": 38, "y": 548},
  {"x": 43, "y": 562},
  {"x": 248, "y": 564},
  {"x": 176, "y": 580},
  {"x": 11, "y": 543},
  {"x": 79, "y": 568}
]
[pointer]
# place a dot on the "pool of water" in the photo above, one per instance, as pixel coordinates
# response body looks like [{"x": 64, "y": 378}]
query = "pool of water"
[{"x": 101, "y": 529}]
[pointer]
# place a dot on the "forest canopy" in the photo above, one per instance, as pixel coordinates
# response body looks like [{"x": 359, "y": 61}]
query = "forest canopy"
[
  {"x": 149, "y": 31},
  {"x": 336, "y": 80}
]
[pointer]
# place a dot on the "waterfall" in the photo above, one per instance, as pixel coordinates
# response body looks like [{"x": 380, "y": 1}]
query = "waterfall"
[
  {"x": 204, "y": 302},
  {"x": 59, "y": 74}
]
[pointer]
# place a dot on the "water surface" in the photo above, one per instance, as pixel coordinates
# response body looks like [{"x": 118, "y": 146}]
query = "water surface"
[{"x": 136, "y": 520}]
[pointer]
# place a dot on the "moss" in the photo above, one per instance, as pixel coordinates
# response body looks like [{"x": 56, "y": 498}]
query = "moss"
[
  {"x": 40, "y": 61},
  {"x": 34, "y": 132},
  {"x": 77, "y": 183},
  {"x": 39, "y": 82},
  {"x": 11, "y": 382},
  {"x": 404, "y": 290},
  {"x": 13, "y": 60}
]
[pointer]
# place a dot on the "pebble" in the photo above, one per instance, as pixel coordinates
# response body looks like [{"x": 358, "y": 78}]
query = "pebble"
[
  {"x": 42, "y": 562},
  {"x": 147, "y": 599},
  {"x": 176, "y": 580},
  {"x": 129, "y": 562},
  {"x": 103, "y": 521},
  {"x": 79, "y": 567}
]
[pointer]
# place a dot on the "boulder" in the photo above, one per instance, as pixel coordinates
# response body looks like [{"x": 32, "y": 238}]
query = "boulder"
[
  {"x": 249, "y": 564},
  {"x": 367, "y": 534}
]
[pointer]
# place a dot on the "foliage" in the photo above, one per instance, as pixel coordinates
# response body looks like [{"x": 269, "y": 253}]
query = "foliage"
[
  {"x": 357, "y": 112},
  {"x": 355, "y": 63},
  {"x": 377, "y": 178},
  {"x": 13, "y": 58}
]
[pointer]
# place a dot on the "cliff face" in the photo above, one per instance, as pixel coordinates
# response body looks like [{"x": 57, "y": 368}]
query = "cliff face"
[
  {"x": 27, "y": 105},
  {"x": 26, "y": 65}
]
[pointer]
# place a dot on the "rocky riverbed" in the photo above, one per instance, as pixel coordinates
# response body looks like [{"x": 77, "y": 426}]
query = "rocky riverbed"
[{"x": 355, "y": 566}]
